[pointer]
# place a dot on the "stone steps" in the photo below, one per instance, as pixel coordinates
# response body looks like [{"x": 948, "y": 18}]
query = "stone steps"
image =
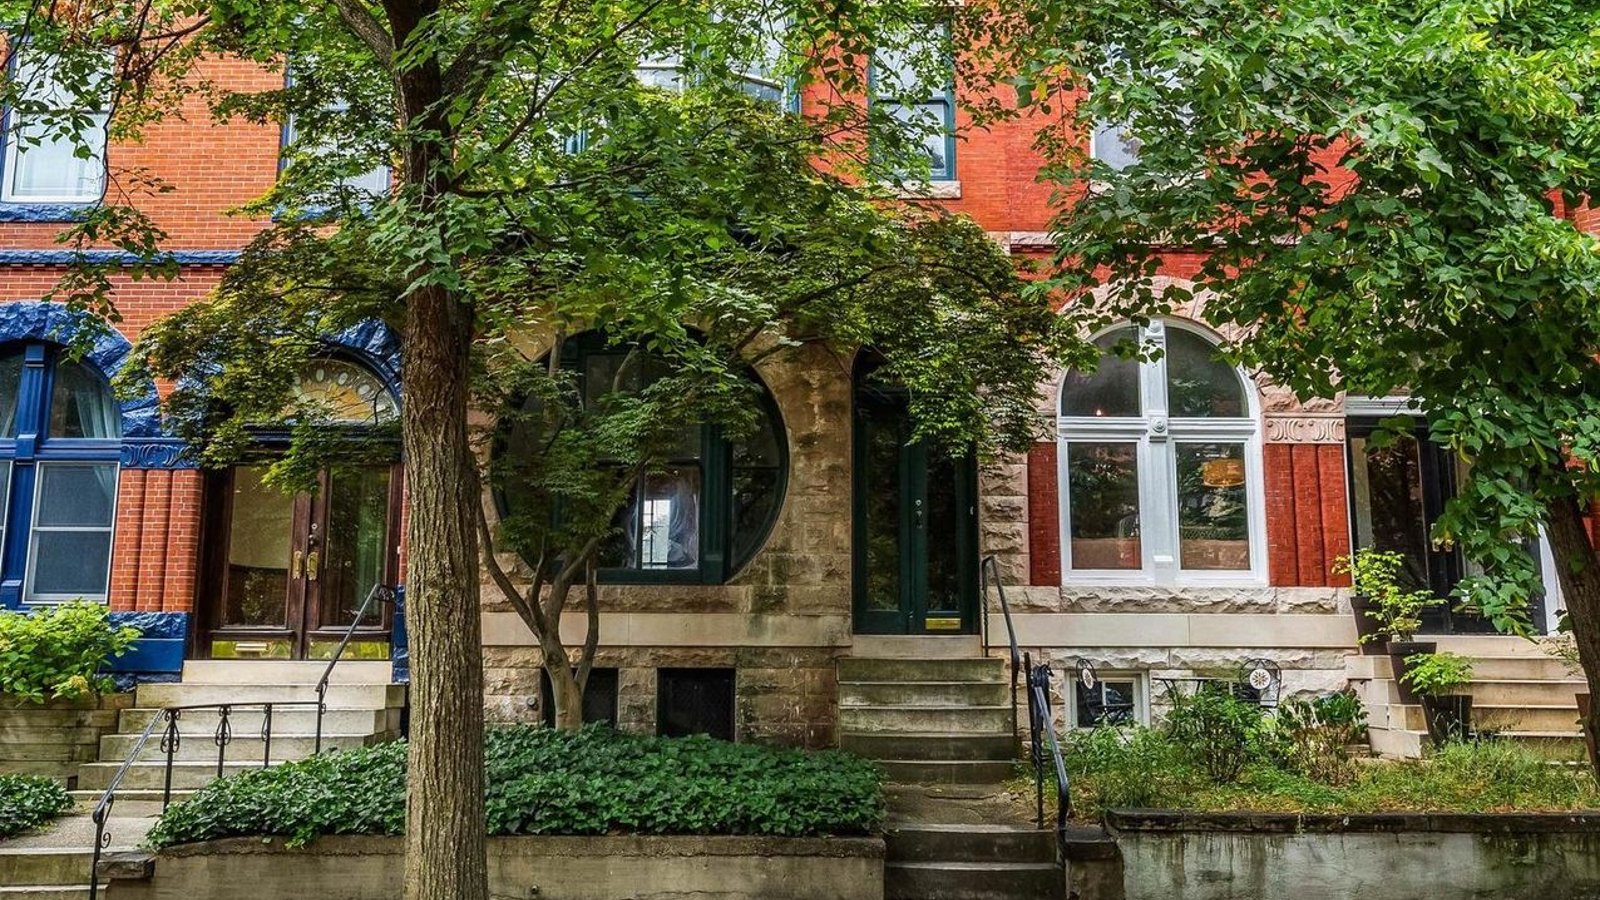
[
  {"x": 132, "y": 802},
  {"x": 203, "y": 722},
  {"x": 245, "y": 746},
  {"x": 45, "y": 892},
  {"x": 43, "y": 866},
  {"x": 972, "y": 881},
  {"x": 918, "y": 842},
  {"x": 929, "y": 720},
  {"x": 344, "y": 696},
  {"x": 286, "y": 672}
]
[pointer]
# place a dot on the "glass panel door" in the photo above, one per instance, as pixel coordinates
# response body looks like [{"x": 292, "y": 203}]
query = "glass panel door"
[
  {"x": 350, "y": 550},
  {"x": 260, "y": 587}
]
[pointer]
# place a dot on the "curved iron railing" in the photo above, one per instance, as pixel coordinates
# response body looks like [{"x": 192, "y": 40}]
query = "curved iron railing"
[
  {"x": 172, "y": 736},
  {"x": 1041, "y": 720},
  {"x": 380, "y": 593}
]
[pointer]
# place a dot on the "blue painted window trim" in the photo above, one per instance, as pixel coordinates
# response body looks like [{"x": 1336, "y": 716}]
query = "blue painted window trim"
[
  {"x": 32, "y": 447},
  {"x": 54, "y": 257},
  {"x": 44, "y": 211},
  {"x": 946, "y": 97}
]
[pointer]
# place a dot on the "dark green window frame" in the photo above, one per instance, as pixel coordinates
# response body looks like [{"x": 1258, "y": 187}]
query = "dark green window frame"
[{"x": 945, "y": 97}]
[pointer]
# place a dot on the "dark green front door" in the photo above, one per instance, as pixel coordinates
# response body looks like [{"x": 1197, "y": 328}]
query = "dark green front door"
[{"x": 915, "y": 529}]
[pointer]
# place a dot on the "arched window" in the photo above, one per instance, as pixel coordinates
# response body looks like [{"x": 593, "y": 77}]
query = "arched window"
[
  {"x": 60, "y": 440},
  {"x": 347, "y": 392},
  {"x": 708, "y": 508},
  {"x": 1160, "y": 464}
]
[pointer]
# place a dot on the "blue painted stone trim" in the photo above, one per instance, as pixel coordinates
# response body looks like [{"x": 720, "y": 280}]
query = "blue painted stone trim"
[
  {"x": 69, "y": 257},
  {"x": 399, "y": 641},
  {"x": 43, "y": 212},
  {"x": 38, "y": 321},
  {"x": 377, "y": 345},
  {"x": 157, "y": 656},
  {"x": 157, "y": 453}
]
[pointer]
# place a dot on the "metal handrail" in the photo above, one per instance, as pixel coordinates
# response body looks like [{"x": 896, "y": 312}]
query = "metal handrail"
[
  {"x": 383, "y": 594},
  {"x": 171, "y": 740},
  {"x": 1041, "y": 721},
  {"x": 989, "y": 573}
]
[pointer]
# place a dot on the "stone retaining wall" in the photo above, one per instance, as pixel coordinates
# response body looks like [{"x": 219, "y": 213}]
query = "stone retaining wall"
[
  {"x": 634, "y": 867},
  {"x": 54, "y": 738},
  {"x": 1216, "y": 856}
]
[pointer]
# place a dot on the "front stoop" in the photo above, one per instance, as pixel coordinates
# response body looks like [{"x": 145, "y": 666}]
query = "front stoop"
[
  {"x": 971, "y": 862},
  {"x": 1518, "y": 692},
  {"x": 28, "y": 873},
  {"x": 929, "y": 721},
  {"x": 363, "y": 708}
]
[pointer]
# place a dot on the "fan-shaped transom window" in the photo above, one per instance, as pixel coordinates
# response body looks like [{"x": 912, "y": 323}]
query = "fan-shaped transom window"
[
  {"x": 1160, "y": 463},
  {"x": 707, "y": 508},
  {"x": 60, "y": 441},
  {"x": 348, "y": 393}
]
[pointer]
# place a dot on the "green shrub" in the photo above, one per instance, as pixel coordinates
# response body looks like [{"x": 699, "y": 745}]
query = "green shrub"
[
  {"x": 1312, "y": 737},
  {"x": 1131, "y": 766},
  {"x": 1220, "y": 732},
  {"x": 543, "y": 781},
  {"x": 1436, "y": 674},
  {"x": 28, "y": 801},
  {"x": 59, "y": 651}
]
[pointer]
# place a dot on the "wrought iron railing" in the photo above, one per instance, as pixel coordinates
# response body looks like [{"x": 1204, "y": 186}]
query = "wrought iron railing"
[
  {"x": 1041, "y": 720},
  {"x": 380, "y": 593},
  {"x": 222, "y": 737}
]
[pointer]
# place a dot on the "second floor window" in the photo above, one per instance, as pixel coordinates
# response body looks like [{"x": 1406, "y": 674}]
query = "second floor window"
[
  {"x": 902, "y": 87},
  {"x": 55, "y": 138},
  {"x": 372, "y": 183}
]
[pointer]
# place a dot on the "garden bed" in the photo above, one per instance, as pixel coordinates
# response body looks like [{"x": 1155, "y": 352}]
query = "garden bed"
[
  {"x": 545, "y": 782},
  {"x": 30, "y": 801}
]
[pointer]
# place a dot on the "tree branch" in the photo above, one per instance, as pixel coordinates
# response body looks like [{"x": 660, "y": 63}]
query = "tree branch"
[{"x": 368, "y": 28}]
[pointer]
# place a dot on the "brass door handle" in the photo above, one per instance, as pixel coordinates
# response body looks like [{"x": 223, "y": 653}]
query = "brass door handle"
[
  {"x": 311, "y": 565},
  {"x": 297, "y": 569}
]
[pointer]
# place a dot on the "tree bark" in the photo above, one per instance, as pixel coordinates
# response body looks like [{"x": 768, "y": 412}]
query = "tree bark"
[
  {"x": 446, "y": 856},
  {"x": 1578, "y": 569}
]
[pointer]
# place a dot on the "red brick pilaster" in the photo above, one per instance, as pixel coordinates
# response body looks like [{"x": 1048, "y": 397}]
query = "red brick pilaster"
[{"x": 1044, "y": 515}]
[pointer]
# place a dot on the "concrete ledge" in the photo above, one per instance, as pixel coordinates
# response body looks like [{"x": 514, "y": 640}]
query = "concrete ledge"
[
  {"x": 657, "y": 867},
  {"x": 680, "y": 630},
  {"x": 1136, "y": 629},
  {"x": 1177, "y": 821}
]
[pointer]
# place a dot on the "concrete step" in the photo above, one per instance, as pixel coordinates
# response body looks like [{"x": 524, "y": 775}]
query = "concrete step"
[
  {"x": 265, "y": 671},
  {"x": 44, "y": 892},
  {"x": 924, "y": 693},
  {"x": 969, "y": 843},
  {"x": 43, "y": 866},
  {"x": 925, "y": 719},
  {"x": 973, "y": 881},
  {"x": 920, "y": 646},
  {"x": 301, "y": 720},
  {"x": 345, "y": 696},
  {"x": 873, "y": 669},
  {"x": 32, "y": 719},
  {"x": 1483, "y": 645},
  {"x": 245, "y": 746},
  {"x": 132, "y": 802},
  {"x": 46, "y": 752},
  {"x": 1494, "y": 692},
  {"x": 902, "y": 746},
  {"x": 48, "y": 768},
  {"x": 151, "y": 775},
  {"x": 947, "y": 771}
]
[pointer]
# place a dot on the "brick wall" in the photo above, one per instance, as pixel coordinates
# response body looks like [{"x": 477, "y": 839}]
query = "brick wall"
[
  {"x": 1308, "y": 519},
  {"x": 155, "y": 557}
]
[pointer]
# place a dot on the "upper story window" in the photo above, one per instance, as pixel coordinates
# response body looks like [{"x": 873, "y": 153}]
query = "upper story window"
[
  {"x": 705, "y": 510},
  {"x": 60, "y": 439},
  {"x": 55, "y": 138},
  {"x": 1114, "y": 144},
  {"x": 372, "y": 183},
  {"x": 1160, "y": 465},
  {"x": 758, "y": 69},
  {"x": 902, "y": 86}
]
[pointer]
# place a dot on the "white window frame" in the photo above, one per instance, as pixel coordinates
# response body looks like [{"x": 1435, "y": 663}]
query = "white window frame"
[
  {"x": 1157, "y": 436},
  {"x": 13, "y": 152},
  {"x": 110, "y": 531},
  {"x": 1141, "y": 696},
  {"x": 357, "y": 183}
]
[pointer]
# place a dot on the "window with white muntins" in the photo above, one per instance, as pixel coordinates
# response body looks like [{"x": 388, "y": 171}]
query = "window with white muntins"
[
  {"x": 1160, "y": 465},
  {"x": 54, "y": 145}
]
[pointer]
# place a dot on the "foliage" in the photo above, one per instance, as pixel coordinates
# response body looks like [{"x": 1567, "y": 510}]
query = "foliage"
[
  {"x": 544, "y": 781},
  {"x": 1219, "y": 731},
  {"x": 1380, "y": 196},
  {"x": 1142, "y": 768},
  {"x": 28, "y": 801},
  {"x": 57, "y": 652},
  {"x": 1375, "y": 575},
  {"x": 1436, "y": 674},
  {"x": 1312, "y": 737}
]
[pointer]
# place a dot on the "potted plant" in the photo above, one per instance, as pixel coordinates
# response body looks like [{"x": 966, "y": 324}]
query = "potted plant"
[
  {"x": 1387, "y": 615},
  {"x": 1436, "y": 677}
]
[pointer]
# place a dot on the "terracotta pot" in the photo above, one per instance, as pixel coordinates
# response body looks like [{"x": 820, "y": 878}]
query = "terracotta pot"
[
  {"x": 1369, "y": 637},
  {"x": 1398, "y": 652},
  {"x": 1588, "y": 736},
  {"x": 1448, "y": 716}
]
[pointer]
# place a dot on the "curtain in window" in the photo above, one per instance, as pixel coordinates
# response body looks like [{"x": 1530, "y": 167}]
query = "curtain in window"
[
  {"x": 82, "y": 406},
  {"x": 43, "y": 163},
  {"x": 10, "y": 391}
]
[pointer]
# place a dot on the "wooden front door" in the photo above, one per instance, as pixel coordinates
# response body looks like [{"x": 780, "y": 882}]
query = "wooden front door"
[{"x": 286, "y": 573}]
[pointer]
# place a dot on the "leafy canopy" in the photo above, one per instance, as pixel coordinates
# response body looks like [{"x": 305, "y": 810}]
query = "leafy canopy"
[{"x": 1379, "y": 193}]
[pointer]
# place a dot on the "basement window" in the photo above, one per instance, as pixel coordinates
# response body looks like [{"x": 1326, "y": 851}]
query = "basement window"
[
  {"x": 694, "y": 701},
  {"x": 1116, "y": 699},
  {"x": 599, "y": 698}
]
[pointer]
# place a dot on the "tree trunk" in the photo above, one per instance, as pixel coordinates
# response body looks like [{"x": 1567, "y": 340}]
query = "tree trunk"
[
  {"x": 445, "y": 851},
  {"x": 565, "y": 694},
  {"x": 1578, "y": 569},
  {"x": 446, "y": 856}
]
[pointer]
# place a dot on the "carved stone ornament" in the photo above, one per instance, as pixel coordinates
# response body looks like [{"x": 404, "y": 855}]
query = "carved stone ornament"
[{"x": 1305, "y": 429}]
